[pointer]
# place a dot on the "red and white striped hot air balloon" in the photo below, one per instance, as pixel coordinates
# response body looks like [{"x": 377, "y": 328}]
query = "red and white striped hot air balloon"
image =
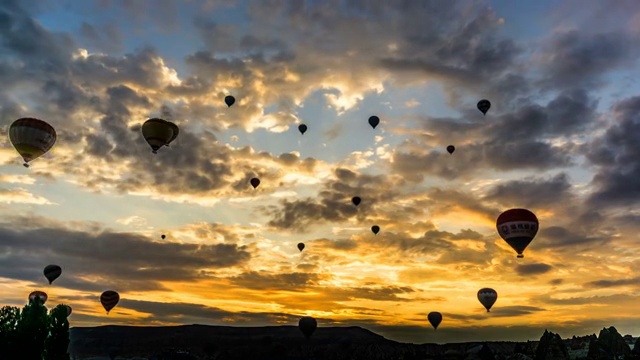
[
  {"x": 109, "y": 299},
  {"x": 517, "y": 227},
  {"x": 38, "y": 296},
  {"x": 32, "y": 138}
]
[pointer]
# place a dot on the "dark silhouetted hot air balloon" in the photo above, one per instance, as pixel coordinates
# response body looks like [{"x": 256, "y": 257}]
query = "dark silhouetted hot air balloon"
[
  {"x": 38, "y": 296},
  {"x": 300, "y": 246},
  {"x": 375, "y": 229},
  {"x": 255, "y": 182},
  {"x": 517, "y": 227},
  {"x": 32, "y": 138},
  {"x": 229, "y": 100},
  {"x": 109, "y": 299},
  {"x": 356, "y": 200},
  {"x": 302, "y": 128},
  {"x": 52, "y": 272},
  {"x": 484, "y": 105},
  {"x": 374, "y": 121},
  {"x": 159, "y": 133},
  {"x": 69, "y": 310},
  {"x": 487, "y": 297},
  {"x": 307, "y": 325},
  {"x": 163, "y": 236},
  {"x": 435, "y": 318},
  {"x": 451, "y": 149}
]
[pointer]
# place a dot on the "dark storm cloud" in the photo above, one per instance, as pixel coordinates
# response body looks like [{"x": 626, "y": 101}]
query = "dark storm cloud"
[
  {"x": 582, "y": 58},
  {"x": 126, "y": 260},
  {"x": 617, "y": 182},
  {"x": 269, "y": 281},
  {"x": 608, "y": 283},
  {"x": 532, "y": 192},
  {"x": 533, "y": 269}
]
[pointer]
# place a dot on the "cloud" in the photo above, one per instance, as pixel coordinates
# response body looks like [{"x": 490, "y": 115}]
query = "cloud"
[{"x": 533, "y": 269}]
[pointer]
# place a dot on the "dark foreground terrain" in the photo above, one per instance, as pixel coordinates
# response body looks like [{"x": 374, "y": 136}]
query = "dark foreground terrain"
[{"x": 286, "y": 342}]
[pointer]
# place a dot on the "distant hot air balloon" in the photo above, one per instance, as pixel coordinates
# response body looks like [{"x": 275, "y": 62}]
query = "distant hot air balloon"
[
  {"x": 255, "y": 182},
  {"x": 374, "y": 121},
  {"x": 302, "y": 128},
  {"x": 32, "y": 138},
  {"x": 375, "y": 229},
  {"x": 163, "y": 236},
  {"x": 52, "y": 272},
  {"x": 487, "y": 297},
  {"x": 159, "y": 132},
  {"x": 68, "y": 310},
  {"x": 38, "y": 296},
  {"x": 109, "y": 299},
  {"x": 229, "y": 100},
  {"x": 307, "y": 325},
  {"x": 356, "y": 200},
  {"x": 300, "y": 246},
  {"x": 484, "y": 105},
  {"x": 517, "y": 227},
  {"x": 435, "y": 318},
  {"x": 451, "y": 149}
]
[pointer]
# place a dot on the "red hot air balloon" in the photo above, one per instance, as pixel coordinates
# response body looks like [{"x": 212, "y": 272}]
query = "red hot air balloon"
[
  {"x": 487, "y": 297},
  {"x": 435, "y": 318},
  {"x": 307, "y": 325},
  {"x": 374, "y": 121},
  {"x": 38, "y": 296},
  {"x": 300, "y": 246},
  {"x": 52, "y": 272},
  {"x": 109, "y": 299},
  {"x": 517, "y": 227},
  {"x": 32, "y": 138},
  {"x": 255, "y": 182},
  {"x": 451, "y": 149}
]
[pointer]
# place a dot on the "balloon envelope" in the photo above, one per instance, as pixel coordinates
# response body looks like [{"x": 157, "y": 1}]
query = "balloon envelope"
[
  {"x": 31, "y": 138},
  {"x": 52, "y": 272},
  {"x": 229, "y": 100},
  {"x": 163, "y": 236},
  {"x": 517, "y": 227},
  {"x": 484, "y": 105},
  {"x": 158, "y": 133},
  {"x": 255, "y": 182},
  {"x": 69, "y": 310},
  {"x": 109, "y": 299},
  {"x": 356, "y": 200},
  {"x": 435, "y": 318},
  {"x": 300, "y": 246},
  {"x": 374, "y": 121},
  {"x": 302, "y": 128},
  {"x": 307, "y": 325},
  {"x": 487, "y": 297},
  {"x": 38, "y": 296},
  {"x": 375, "y": 229},
  {"x": 451, "y": 149}
]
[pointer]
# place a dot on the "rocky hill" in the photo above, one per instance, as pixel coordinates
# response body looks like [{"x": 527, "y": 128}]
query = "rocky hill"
[{"x": 340, "y": 343}]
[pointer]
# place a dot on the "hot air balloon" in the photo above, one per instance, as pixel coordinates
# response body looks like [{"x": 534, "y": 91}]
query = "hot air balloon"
[
  {"x": 52, "y": 272},
  {"x": 163, "y": 236},
  {"x": 307, "y": 325},
  {"x": 517, "y": 227},
  {"x": 38, "y": 296},
  {"x": 300, "y": 246},
  {"x": 487, "y": 297},
  {"x": 484, "y": 105},
  {"x": 435, "y": 318},
  {"x": 356, "y": 200},
  {"x": 109, "y": 299},
  {"x": 374, "y": 121},
  {"x": 32, "y": 138},
  {"x": 302, "y": 128},
  {"x": 451, "y": 149},
  {"x": 255, "y": 182},
  {"x": 229, "y": 100},
  {"x": 375, "y": 229},
  {"x": 68, "y": 310},
  {"x": 158, "y": 133}
]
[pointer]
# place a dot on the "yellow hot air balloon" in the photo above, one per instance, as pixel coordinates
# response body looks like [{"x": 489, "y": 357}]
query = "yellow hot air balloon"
[
  {"x": 32, "y": 138},
  {"x": 158, "y": 133}
]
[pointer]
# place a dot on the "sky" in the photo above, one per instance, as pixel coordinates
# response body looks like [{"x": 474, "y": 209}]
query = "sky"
[{"x": 560, "y": 139}]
